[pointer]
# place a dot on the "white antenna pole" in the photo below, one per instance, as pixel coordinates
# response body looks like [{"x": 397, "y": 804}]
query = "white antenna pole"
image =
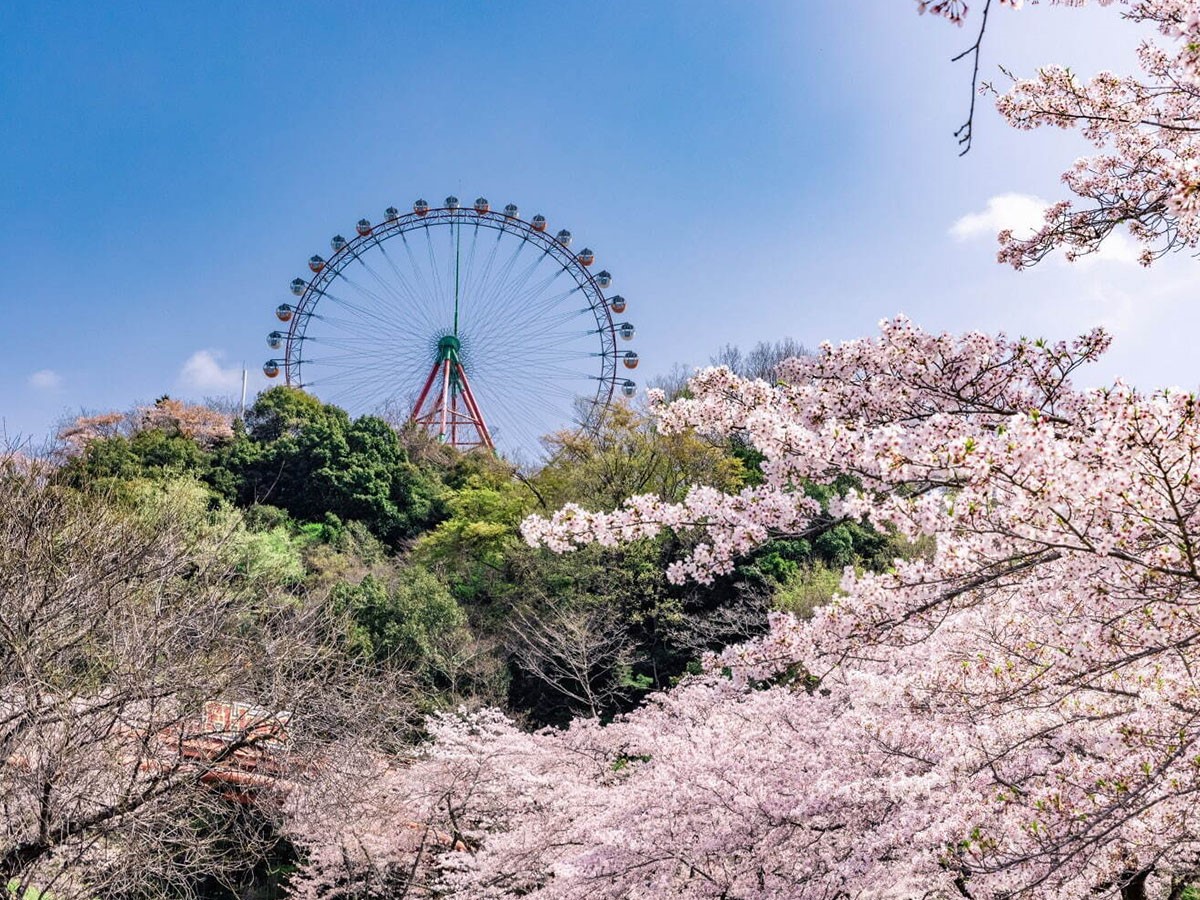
[{"x": 243, "y": 416}]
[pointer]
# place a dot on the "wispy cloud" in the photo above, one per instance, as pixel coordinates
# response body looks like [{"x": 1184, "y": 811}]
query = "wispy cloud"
[
  {"x": 202, "y": 372},
  {"x": 45, "y": 380}
]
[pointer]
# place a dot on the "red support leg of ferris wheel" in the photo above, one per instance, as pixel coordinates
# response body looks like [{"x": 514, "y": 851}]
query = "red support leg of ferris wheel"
[{"x": 442, "y": 412}]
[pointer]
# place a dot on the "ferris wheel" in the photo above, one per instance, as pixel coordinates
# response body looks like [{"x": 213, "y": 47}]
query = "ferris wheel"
[{"x": 484, "y": 328}]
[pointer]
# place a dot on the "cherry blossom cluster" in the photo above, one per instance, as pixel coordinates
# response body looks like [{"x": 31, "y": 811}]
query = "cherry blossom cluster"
[
  {"x": 1017, "y": 714},
  {"x": 874, "y": 409},
  {"x": 200, "y": 423},
  {"x": 956, "y": 10}
]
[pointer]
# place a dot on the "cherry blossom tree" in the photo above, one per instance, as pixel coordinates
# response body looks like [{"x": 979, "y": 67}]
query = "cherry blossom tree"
[
  {"x": 202, "y": 424},
  {"x": 1145, "y": 175},
  {"x": 1016, "y": 716}
]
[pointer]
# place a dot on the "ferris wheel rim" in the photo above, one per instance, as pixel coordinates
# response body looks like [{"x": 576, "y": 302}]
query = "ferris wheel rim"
[{"x": 303, "y": 311}]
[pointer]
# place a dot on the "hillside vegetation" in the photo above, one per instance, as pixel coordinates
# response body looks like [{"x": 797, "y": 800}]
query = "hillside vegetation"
[{"x": 333, "y": 581}]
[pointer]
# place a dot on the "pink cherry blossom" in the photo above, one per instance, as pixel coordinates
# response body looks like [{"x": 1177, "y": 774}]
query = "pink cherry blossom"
[{"x": 1016, "y": 714}]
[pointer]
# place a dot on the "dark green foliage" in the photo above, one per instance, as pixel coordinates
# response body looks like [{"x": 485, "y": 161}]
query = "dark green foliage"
[
  {"x": 150, "y": 453},
  {"x": 751, "y": 459},
  {"x": 408, "y": 621},
  {"x": 312, "y": 460}
]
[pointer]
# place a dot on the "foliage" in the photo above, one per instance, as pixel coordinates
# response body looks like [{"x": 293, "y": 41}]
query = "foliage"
[
  {"x": 628, "y": 456},
  {"x": 473, "y": 547},
  {"x": 412, "y": 622},
  {"x": 312, "y": 460}
]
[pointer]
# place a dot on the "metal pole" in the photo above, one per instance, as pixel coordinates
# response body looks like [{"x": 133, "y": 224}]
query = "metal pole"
[{"x": 445, "y": 399}]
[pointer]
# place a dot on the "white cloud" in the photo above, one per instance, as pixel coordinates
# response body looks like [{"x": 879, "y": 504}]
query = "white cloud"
[
  {"x": 1116, "y": 247},
  {"x": 1023, "y": 213},
  {"x": 45, "y": 380},
  {"x": 203, "y": 373}
]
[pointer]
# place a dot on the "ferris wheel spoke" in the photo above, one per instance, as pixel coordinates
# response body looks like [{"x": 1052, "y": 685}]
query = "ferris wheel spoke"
[
  {"x": 350, "y": 362},
  {"x": 550, "y": 301},
  {"x": 452, "y": 262},
  {"x": 521, "y": 291},
  {"x": 438, "y": 282},
  {"x": 559, "y": 301},
  {"x": 414, "y": 293},
  {"x": 416, "y": 314},
  {"x": 365, "y": 343},
  {"x": 581, "y": 359},
  {"x": 506, "y": 269},
  {"x": 393, "y": 324},
  {"x": 418, "y": 276},
  {"x": 346, "y": 339},
  {"x": 366, "y": 358},
  {"x": 380, "y": 301},
  {"x": 475, "y": 288},
  {"x": 529, "y": 305},
  {"x": 388, "y": 289},
  {"x": 537, "y": 310},
  {"x": 533, "y": 420},
  {"x": 515, "y": 349},
  {"x": 327, "y": 351},
  {"x": 514, "y": 368},
  {"x": 556, "y": 326},
  {"x": 356, "y": 309},
  {"x": 565, "y": 372},
  {"x": 551, "y": 334},
  {"x": 494, "y": 390},
  {"x": 366, "y": 396},
  {"x": 468, "y": 264},
  {"x": 361, "y": 377},
  {"x": 384, "y": 391},
  {"x": 362, "y": 328},
  {"x": 487, "y": 301},
  {"x": 405, "y": 301},
  {"x": 501, "y": 300},
  {"x": 499, "y": 317},
  {"x": 361, "y": 312}
]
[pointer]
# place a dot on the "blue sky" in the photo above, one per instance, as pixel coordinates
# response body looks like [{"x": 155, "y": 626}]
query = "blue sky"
[{"x": 746, "y": 170}]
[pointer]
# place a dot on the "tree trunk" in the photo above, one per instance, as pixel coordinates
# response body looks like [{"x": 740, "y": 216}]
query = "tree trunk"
[{"x": 1133, "y": 885}]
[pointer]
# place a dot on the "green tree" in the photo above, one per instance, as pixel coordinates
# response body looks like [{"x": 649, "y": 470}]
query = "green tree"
[
  {"x": 628, "y": 456},
  {"x": 477, "y": 544},
  {"x": 312, "y": 460}
]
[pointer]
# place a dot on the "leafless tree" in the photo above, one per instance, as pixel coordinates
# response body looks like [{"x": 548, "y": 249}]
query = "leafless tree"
[
  {"x": 762, "y": 360},
  {"x": 673, "y": 382},
  {"x": 574, "y": 650},
  {"x": 703, "y": 630},
  {"x": 155, "y": 704}
]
